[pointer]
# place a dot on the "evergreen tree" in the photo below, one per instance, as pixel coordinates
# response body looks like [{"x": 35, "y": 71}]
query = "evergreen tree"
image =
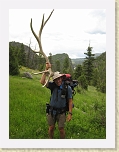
[
  {"x": 13, "y": 61},
  {"x": 28, "y": 57},
  {"x": 22, "y": 56},
  {"x": 66, "y": 65},
  {"x": 41, "y": 62},
  {"x": 95, "y": 77},
  {"x": 83, "y": 82},
  {"x": 88, "y": 65},
  {"x": 51, "y": 61},
  {"x": 70, "y": 71},
  {"x": 77, "y": 71},
  {"x": 57, "y": 65},
  {"x": 99, "y": 73}
]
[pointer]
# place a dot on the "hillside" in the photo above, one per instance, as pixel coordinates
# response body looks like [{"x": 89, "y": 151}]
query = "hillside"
[
  {"x": 27, "y": 117},
  {"x": 27, "y": 49},
  {"x": 34, "y": 61},
  {"x": 60, "y": 62},
  {"x": 61, "y": 58},
  {"x": 31, "y": 58}
]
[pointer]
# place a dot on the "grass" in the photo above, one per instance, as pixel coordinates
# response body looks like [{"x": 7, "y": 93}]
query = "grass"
[{"x": 27, "y": 117}]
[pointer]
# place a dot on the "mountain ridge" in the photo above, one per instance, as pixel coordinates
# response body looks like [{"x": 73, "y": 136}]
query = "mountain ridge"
[{"x": 59, "y": 56}]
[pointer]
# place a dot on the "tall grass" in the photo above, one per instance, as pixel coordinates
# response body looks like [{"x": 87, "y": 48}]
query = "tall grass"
[{"x": 27, "y": 117}]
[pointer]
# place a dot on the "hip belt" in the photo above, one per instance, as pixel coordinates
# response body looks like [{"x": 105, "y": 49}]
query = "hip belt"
[{"x": 55, "y": 111}]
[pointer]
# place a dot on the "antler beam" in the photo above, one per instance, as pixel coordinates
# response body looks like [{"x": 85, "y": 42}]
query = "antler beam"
[{"x": 38, "y": 38}]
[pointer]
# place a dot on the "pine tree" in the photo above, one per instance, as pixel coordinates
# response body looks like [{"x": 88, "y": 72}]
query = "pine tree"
[
  {"x": 88, "y": 64},
  {"x": 77, "y": 71},
  {"x": 13, "y": 61},
  {"x": 99, "y": 73},
  {"x": 66, "y": 65},
  {"x": 51, "y": 61},
  {"x": 57, "y": 65},
  {"x": 28, "y": 57},
  {"x": 22, "y": 56},
  {"x": 83, "y": 82}
]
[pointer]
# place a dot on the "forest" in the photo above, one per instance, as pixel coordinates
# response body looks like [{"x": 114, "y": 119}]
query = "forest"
[{"x": 91, "y": 72}]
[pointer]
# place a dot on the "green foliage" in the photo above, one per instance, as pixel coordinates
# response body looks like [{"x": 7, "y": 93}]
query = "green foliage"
[
  {"x": 13, "y": 62},
  {"x": 51, "y": 60},
  {"x": 88, "y": 65},
  {"x": 67, "y": 68},
  {"x": 65, "y": 63},
  {"x": 27, "y": 108},
  {"x": 22, "y": 56},
  {"x": 99, "y": 73},
  {"x": 57, "y": 65},
  {"x": 27, "y": 117},
  {"x": 27, "y": 57},
  {"x": 92, "y": 71},
  {"x": 77, "y": 71},
  {"x": 83, "y": 82}
]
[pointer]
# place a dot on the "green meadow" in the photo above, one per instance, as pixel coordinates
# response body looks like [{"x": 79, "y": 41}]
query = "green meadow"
[{"x": 27, "y": 116}]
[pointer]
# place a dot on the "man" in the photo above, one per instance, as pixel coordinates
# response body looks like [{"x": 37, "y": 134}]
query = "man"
[{"x": 57, "y": 110}]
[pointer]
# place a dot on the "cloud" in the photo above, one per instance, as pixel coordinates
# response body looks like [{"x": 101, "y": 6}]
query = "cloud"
[
  {"x": 68, "y": 30},
  {"x": 98, "y": 13},
  {"x": 96, "y": 22},
  {"x": 96, "y": 31}
]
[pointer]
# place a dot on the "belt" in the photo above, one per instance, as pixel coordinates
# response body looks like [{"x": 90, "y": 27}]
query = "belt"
[
  {"x": 58, "y": 110},
  {"x": 54, "y": 108}
]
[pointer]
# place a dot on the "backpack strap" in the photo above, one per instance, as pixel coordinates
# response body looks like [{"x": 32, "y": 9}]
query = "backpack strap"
[{"x": 65, "y": 87}]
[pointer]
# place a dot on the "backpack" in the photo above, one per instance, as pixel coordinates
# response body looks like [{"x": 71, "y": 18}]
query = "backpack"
[{"x": 72, "y": 83}]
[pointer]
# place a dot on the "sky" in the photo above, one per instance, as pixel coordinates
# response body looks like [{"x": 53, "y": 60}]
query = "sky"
[{"x": 67, "y": 31}]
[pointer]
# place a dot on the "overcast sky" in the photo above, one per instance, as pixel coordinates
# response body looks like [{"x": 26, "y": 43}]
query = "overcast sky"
[{"x": 67, "y": 31}]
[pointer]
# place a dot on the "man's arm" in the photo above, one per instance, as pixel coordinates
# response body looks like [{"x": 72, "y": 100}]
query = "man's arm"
[
  {"x": 43, "y": 77},
  {"x": 70, "y": 110},
  {"x": 70, "y": 106}
]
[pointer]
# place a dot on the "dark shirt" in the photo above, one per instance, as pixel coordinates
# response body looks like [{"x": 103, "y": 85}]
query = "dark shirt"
[{"x": 57, "y": 100}]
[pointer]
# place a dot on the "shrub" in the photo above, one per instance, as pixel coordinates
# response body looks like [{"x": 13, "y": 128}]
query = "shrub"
[{"x": 83, "y": 82}]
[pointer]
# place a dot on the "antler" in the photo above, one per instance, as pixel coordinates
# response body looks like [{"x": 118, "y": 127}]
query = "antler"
[{"x": 49, "y": 71}]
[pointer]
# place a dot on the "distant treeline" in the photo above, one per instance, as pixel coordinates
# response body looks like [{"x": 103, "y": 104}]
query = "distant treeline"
[{"x": 91, "y": 72}]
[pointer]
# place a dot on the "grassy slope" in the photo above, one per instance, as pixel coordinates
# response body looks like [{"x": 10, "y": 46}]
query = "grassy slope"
[{"x": 28, "y": 118}]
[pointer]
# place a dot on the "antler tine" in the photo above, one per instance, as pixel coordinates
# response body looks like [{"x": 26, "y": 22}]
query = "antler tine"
[
  {"x": 50, "y": 75},
  {"x": 34, "y": 32},
  {"x": 39, "y": 42},
  {"x": 49, "y": 71},
  {"x": 42, "y": 25},
  {"x": 46, "y": 71},
  {"x": 40, "y": 32},
  {"x": 48, "y": 17}
]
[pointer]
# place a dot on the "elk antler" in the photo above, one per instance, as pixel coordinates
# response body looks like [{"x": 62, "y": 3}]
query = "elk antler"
[{"x": 49, "y": 71}]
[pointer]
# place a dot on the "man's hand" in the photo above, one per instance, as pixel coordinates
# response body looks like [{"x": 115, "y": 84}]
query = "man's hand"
[
  {"x": 48, "y": 65},
  {"x": 69, "y": 117}
]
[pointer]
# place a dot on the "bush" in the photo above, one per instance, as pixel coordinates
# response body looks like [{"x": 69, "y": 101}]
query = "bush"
[{"x": 83, "y": 82}]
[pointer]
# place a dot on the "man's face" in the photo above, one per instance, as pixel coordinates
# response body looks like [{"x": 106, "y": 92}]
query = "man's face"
[{"x": 58, "y": 81}]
